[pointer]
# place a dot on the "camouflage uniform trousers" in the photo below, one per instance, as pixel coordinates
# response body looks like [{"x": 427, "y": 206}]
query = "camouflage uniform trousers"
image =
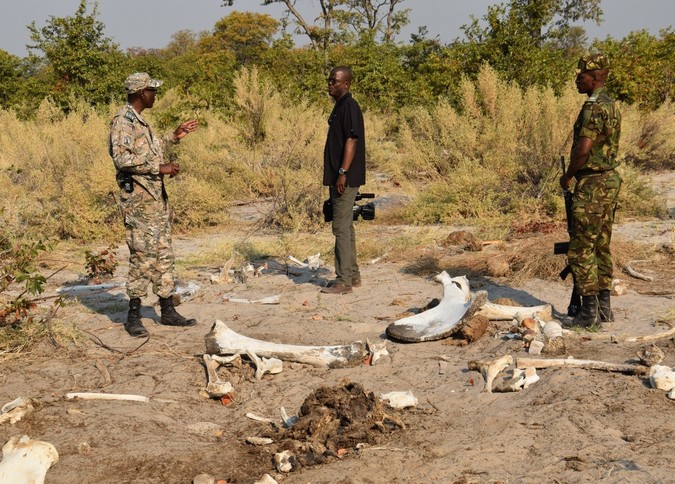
[
  {"x": 151, "y": 260},
  {"x": 594, "y": 204}
]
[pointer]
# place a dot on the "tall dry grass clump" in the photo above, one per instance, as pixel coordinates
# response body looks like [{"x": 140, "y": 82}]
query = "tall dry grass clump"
[
  {"x": 56, "y": 175},
  {"x": 58, "y": 180},
  {"x": 495, "y": 158}
]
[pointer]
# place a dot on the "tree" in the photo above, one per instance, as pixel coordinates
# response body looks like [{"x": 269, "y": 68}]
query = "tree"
[
  {"x": 246, "y": 34},
  {"x": 528, "y": 41},
  {"x": 364, "y": 17},
  {"x": 81, "y": 60},
  {"x": 642, "y": 69},
  {"x": 10, "y": 73}
]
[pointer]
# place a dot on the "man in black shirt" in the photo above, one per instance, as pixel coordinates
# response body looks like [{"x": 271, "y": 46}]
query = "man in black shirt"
[{"x": 344, "y": 171}]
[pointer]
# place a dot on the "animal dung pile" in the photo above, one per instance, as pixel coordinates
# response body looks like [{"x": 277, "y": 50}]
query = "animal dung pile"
[{"x": 333, "y": 421}]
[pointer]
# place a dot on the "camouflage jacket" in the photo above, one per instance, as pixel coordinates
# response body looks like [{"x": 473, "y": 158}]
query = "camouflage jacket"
[
  {"x": 136, "y": 150},
  {"x": 600, "y": 121}
]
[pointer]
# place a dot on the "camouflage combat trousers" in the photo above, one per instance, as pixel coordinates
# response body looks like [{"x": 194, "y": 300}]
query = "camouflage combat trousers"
[
  {"x": 595, "y": 201},
  {"x": 151, "y": 260}
]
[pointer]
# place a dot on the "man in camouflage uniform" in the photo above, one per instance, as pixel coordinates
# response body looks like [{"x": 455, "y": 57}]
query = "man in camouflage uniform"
[
  {"x": 138, "y": 155},
  {"x": 593, "y": 162}
]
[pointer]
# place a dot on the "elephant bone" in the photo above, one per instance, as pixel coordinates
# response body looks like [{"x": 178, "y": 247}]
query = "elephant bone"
[
  {"x": 662, "y": 377},
  {"x": 222, "y": 340},
  {"x": 15, "y": 410},
  {"x": 500, "y": 312},
  {"x": 26, "y": 460},
  {"x": 490, "y": 369},
  {"x": 457, "y": 306},
  {"x": 378, "y": 351},
  {"x": 284, "y": 461},
  {"x": 265, "y": 365},
  {"x": 215, "y": 387}
]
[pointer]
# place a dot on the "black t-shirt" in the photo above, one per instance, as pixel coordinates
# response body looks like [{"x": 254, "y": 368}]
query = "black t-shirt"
[{"x": 346, "y": 121}]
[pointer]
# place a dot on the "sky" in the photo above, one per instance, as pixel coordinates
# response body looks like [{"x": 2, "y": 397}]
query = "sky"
[{"x": 150, "y": 23}]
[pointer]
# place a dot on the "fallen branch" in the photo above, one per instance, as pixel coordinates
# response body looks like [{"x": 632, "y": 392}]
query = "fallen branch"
[
  {"x": 586, "y": 364},
  {"x": 635, "y": 273},
  {"x": 651, "y": 337}
]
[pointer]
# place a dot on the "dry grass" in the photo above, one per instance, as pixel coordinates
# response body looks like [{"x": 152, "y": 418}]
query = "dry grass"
[{"x": 488, "y": 163}]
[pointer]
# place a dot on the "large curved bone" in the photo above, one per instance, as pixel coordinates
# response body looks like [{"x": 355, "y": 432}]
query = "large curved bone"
[
  {"x": 25, "y": 460},
  {"x": 499, "y": 312},
  {"x": 223, "y": 341},
  {"x": 457, "y": 306}
]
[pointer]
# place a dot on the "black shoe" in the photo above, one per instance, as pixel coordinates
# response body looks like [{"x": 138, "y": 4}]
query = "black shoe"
[
  {"x": 588, "y": 313},
  {"x": 169, "y": 315},
  {"x": 133, "y": 325},
  {"x": 604, "y": 306}
]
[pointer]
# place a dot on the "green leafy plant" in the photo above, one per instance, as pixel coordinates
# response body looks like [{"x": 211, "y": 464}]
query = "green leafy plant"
[
  {"x": 101, "y": 263},
  {"x": 17, "y": 266}
]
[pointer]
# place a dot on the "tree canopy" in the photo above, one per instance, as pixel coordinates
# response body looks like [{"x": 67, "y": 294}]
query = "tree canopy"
[{"x": 529, "y": 42}]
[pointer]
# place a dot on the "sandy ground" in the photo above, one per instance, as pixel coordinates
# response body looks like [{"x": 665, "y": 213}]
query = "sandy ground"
[{"x": 574, "y": 425}]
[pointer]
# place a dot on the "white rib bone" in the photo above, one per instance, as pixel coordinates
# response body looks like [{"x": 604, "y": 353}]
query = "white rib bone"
[
  {"x": 215, "y": 387},
  {"x": 265, "y": 365},
  {"x": 490, "y": 369},
  {"x": 223, "y": 341},
  {"x": 444, "y": 319},
  {"x": 107, "y": 396},
  {"x": 258, "y": 418},
  {"x": 26, "y": 461},
  {"x": 499, "y": 312},
  {"x": 265, "y": 300}
]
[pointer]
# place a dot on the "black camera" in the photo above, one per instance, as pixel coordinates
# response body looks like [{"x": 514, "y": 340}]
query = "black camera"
[
  {"x": 365, "y": 210},
  {"x": 124, "y": 181}
]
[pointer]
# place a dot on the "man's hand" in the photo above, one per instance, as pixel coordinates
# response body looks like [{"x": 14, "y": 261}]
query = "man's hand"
[
  {"x": 170, "y": 169},
  {"x": 341, "y": 182},
  {"x": 185, "y": 128},
  {"x": 565, "y": 181}
]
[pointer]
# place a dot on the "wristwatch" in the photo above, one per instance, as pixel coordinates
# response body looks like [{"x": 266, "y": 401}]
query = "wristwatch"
[{"x": 342, "y": 171}]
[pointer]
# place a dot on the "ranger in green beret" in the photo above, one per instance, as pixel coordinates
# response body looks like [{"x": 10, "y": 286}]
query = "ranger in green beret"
[
  {"x": 138, "y": 154},
  {"x": 593, "y": 162}
]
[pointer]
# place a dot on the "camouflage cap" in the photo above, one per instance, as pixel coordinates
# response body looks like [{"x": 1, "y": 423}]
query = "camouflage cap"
[
  {"x": 140, "y": 80},
  {"x": 592, "y": 62}
]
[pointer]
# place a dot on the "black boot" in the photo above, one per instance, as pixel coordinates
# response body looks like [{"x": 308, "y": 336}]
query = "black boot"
[
  {"x": 169, "y": 315},
  {"x": 588, "y": 313},
  {"x": 133, "y": 325},
  {"x": 604, "y": 306}
]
